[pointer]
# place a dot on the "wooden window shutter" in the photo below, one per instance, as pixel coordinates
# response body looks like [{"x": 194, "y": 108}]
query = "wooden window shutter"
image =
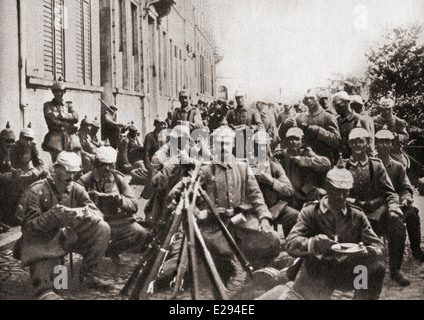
[
  {"x": 87, "y": 41},
  {"x": 83, "y": 35},
  {"x": 79, "y": 20},
  {"x": 48, "y": 38},
  {"x": 53, "y": 39}
]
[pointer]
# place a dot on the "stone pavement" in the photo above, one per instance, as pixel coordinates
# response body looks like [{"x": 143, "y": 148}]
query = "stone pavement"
[{"x": 15, "y": 285}]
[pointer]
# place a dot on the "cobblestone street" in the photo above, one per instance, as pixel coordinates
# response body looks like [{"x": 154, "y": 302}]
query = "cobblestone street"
[{"x": 15, "y": 284}]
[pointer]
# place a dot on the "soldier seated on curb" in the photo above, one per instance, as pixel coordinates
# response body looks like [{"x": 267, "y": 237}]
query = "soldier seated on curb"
[
  {"x": 89, "y": 148},
  {"x": 59, "y": 218},
  {"x": 333, "y": 221},
  {"x": 373, "y": 191},
  {"x": 273, "y": 182},
  {"x": 114, "y": 197},
  {"x": 303, "y": 167},
  {"x": 21, "y": 166},
  {"x": 130, "y": 152},
  {"x": 397, "y": 173}
]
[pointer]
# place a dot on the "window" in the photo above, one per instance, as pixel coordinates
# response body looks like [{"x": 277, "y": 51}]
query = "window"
[
  {"x": 135, "y": 58},
  {"x": 134, "y": 29},
  {"x": 83, "y": 47},
  {"x": 53, "y": 39},
  {"x": 121, "y": 32}
]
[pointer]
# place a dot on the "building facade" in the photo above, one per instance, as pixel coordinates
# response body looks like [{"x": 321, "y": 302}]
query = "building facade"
[{"x": 135, "y": 54}]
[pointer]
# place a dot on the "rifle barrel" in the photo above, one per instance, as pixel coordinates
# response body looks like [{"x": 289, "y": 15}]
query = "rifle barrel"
[{"x": 239, "y": 254}]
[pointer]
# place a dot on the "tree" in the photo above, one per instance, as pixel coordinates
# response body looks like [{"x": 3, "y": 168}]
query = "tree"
[{"x": 396, "y": 70}]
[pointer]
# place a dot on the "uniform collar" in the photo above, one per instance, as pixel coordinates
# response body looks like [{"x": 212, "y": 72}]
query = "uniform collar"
[
  {"x": 228, "y": 165},
  {"x": 349, "y": 118},
  {"x": 318, "y": 112},
  {"x": 324, "y": 209},
  {"x": 50, "y": 181},
  {"x": 98, "y": 179},
  {"x": 361, "y": 163},
  {"x": 240, "y": 109}
]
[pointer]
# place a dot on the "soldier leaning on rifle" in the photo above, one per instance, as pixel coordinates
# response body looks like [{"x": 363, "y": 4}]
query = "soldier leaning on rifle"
[
  {"x": 303, "y": 167},
  {"x": 21, "y": 166},
  {"x": 59, "y": 217},
  {"x": 320, "y": 127},
  {"x": 397, "y": 173},
  {"x": 396, "y": 126},
  {"x": 373, "y": 191},
  {"x": 114, "y": 197},
  {"x": 61, "y": 121},
  {"x": 275, "y": 185},
  {"x": 325, "y": 223}
]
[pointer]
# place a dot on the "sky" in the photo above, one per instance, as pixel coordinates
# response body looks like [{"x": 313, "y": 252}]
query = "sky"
[{"x": 277, "y": 49}]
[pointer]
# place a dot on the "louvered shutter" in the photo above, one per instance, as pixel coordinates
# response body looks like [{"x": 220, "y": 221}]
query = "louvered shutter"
[
  {"x": 48, "y": 38},
  {"x": 53, "y": 38},
  {"x": 79, "y": 21},
  {"x": 59, "y": 41},
  {"x": 87, "y": 41}
]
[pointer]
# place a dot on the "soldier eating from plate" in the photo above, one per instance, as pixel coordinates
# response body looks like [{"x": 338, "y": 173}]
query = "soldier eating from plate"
[{"x": 333, "y": 237}]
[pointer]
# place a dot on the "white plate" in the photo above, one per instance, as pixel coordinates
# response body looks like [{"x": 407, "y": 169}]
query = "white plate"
[{"x": 347, "y": 247}]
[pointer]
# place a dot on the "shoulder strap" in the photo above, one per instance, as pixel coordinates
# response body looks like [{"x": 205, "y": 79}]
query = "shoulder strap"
[{"x": 371, "y": 170}]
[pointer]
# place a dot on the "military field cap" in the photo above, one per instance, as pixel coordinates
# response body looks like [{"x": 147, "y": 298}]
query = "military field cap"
[
  {"x": 262, "y": 137},
  {"x": 339, "y": 177},
  {"x": 386, "y": 103},
  {"x": 133, "y": 127},
  {"x": 7, "y": 134},
  {"x": 69, "y": 160},
  {"x": 96, "y": 123},
  {"x": 295, "y": 132},
  {"x": 311, "y": 93},
  {"x": 184, "y": 93},
  {"x": 58, "y": 85},
  {"x": 158, "y": 120},
  {"x": 358, "y": 132},
  {"x": 27, "y": 132},
  {"x": 223, "y": 134},
  {"x": 86, "y": 122},
  {"x": 342, "y": 95},
  {"x": 106, "y": 155},
  {"x": 357, "y": 99},
  {"x": 324, "y": 94},
  {"x": 240, "y": 93},
  {"x": 180, "y": 132},
  {"x": 384, "y": 134}
]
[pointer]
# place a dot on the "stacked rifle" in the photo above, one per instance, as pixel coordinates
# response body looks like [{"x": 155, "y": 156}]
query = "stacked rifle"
[{"x": 153, "y": 259}]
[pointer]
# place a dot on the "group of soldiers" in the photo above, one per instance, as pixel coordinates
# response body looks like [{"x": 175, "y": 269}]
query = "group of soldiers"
[{"x": 327, "y": 173}]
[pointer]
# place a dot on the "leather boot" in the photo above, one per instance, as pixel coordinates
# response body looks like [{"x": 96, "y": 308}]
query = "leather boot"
[
  {"x": 413, "y": 226},
  {"x": 400, "y": 278}
]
